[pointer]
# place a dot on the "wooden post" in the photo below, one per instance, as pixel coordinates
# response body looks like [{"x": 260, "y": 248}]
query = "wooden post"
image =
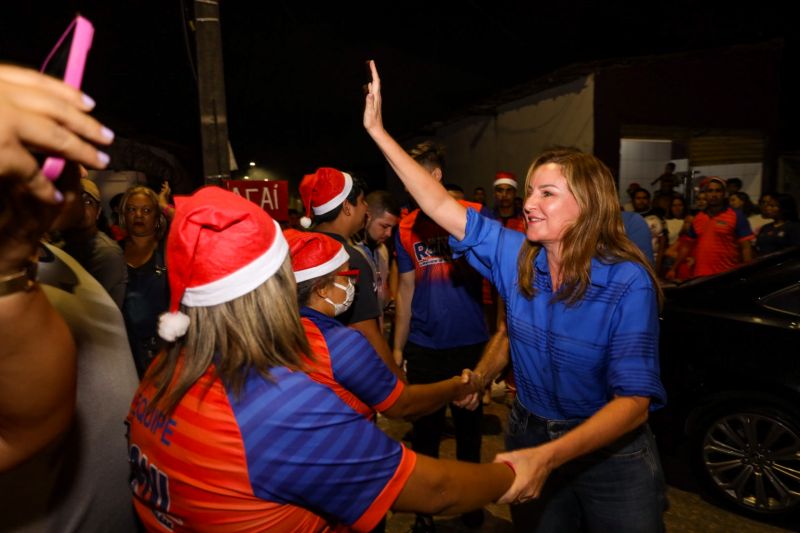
[{"x": 211, "y": 91}]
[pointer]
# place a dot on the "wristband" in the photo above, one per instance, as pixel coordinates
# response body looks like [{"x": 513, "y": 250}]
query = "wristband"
[{"x": 24, "y": 280}]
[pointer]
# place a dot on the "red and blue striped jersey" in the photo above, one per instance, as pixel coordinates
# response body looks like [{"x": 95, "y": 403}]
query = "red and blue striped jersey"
[
  {"x": 345, "y": 361},
  {"x": 718, "y": 239},
  {"x": 286, "y": 455},
  {"x": 446, "y": 311}
]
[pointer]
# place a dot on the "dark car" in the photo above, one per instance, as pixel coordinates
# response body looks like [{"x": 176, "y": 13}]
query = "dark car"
[{"x": 730, "y": 358}]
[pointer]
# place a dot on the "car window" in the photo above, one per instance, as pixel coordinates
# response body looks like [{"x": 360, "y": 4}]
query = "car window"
[{"x": 785, "y": 300}]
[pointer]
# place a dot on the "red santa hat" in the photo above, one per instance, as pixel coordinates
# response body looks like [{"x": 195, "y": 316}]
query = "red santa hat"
[
  {"x": 505, "y": 178},
  {"x": 323, "y": 191},
  {"x": 314, "y": 254},
  {"x": 220, "y": 247}
]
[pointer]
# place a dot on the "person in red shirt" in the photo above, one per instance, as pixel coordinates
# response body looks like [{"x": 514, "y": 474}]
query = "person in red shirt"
[
  {"x": 225, "y": 433},
  {"x": 722, "y": 236}
]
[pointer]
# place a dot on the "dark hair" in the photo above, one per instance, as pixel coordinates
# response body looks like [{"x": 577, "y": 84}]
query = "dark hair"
[
  {"x": 684, "y": 211},
  {"x": 115, "y": 200},
  {"x": 380, "y": 202},
  {"x": 787, "y": 206},
  {"x": 670, "y": 165},
  {"x": 637, "y": 191},
  {"x": 358, "y": 189},
  {"x": 479, "y": 189},
  {"x": 747, "y": 208},
  {"x": 305, "y": 288},
  {"x": 734, "y": 181},
  {"x": 453, "y": 187},
  {"x": 428, "y": 154}
]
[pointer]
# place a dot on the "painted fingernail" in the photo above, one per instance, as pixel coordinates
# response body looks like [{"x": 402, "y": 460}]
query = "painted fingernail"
[
  {"x": 103, "y": 158},
  {"x": 107, "y": 134},
  {"x": 59, "y": 197},
  {"x": 88, "y": 101}
]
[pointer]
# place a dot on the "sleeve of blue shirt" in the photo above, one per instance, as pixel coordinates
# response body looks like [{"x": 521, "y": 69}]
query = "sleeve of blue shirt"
[
  {"x": 633, "y": 368},
  {"x": 404, "y": 261},
  {"x": 639, "y": 232},
  {"x": 306, "y": 447},
  {"x": 490, "y": 249},
  {"x": 358, "y": 367},
  {"x": 742, "y": 225}
]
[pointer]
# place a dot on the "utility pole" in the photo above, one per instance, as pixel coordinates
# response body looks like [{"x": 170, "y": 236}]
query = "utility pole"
[{"x": 211, "y": 91}]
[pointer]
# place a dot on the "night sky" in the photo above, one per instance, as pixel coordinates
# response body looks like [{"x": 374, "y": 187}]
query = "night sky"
[{"x": 294, "y": 70}]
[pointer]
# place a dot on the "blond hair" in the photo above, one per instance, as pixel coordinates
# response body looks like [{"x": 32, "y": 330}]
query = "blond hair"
[
  {"x": 161, "y": 219},
  {"x": 597, "y": 232},
  {"x": 257, "y": 331}
]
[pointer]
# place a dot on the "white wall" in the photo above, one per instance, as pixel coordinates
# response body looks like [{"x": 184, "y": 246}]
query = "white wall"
[
  {"x": 749, "y": 173},
  {"x": 478, "y": 147},
  {"x": 641, "y": 161}
]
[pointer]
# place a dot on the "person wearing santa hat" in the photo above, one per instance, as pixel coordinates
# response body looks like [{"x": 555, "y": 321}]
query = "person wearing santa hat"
[
  {"x": 343, "y": 359},
  {"x": 505, "y": 191},
  {"x": 510, "y": 216},
  {"x": 225, "y": 433},
  {"x": 334, "y": 202}
]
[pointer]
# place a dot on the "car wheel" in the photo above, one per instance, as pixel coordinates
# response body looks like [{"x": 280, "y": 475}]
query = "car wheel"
[{"x": 751, "y": 457}]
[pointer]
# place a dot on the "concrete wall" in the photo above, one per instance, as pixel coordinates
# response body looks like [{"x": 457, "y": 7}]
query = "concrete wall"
[{"x": 480, "y": 146}]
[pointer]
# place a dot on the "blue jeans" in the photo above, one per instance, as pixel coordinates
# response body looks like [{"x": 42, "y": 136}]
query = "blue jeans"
[{"x": 617, "y": 488}]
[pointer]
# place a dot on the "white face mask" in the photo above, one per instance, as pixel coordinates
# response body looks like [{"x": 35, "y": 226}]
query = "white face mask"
[{"x": 350, "y": 294}]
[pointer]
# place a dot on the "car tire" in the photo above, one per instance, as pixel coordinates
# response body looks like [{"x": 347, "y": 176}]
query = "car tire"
[{"x": 750, "y": 458}]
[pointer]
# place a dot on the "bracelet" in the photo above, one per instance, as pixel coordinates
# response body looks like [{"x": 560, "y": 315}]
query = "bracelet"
[{"x": 24, "y": 280}]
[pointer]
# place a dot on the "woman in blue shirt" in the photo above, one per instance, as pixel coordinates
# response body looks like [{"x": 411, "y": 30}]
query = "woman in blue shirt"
[{"x": 582, "y": 306}]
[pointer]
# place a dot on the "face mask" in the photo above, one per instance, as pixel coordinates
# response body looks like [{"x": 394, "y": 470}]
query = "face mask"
[{"x": 350, "y": 294}]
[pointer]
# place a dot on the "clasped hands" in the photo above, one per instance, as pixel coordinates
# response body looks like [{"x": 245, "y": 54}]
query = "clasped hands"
[
  {"x": 472, "y": 386},
  {"x": 532, "y": 466}
]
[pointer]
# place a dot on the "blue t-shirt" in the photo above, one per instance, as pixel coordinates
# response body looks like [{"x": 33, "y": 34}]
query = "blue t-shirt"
[
  {"x": 638, "y": 231},
  {"x": 446, "y": 311},
  {"x": 569, "y": 361}
]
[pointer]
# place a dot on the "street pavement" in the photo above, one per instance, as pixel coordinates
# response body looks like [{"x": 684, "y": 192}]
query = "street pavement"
[{"x": 689, "y": 512}]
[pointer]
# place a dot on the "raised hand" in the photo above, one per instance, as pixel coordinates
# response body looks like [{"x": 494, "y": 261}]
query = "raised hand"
[
  {"x": 373, "y": 120},
  {"x": 42, "y": 113}
]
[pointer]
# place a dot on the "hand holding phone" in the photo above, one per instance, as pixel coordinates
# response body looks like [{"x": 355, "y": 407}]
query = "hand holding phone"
[
  {"x": 40, "y": 113},
  {"x": 67, "y": 61}
]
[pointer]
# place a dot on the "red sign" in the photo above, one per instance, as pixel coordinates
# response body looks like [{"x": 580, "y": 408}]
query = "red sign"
[{"x": 271, "y": 196}]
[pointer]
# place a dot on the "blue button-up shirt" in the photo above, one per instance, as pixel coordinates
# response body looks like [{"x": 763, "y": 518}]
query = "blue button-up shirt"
[{"x": 570, "y": 360}]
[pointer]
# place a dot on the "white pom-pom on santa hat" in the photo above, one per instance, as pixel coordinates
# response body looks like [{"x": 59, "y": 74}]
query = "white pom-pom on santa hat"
[
  {"x": 220, "y": 247},
  {"x": 323, "y": 191},
  {"x": 172, "y": 326}
]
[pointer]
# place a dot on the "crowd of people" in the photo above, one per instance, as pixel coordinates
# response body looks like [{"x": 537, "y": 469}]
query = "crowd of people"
[
  {"x": 198, "y": 366},
  {"x": 721, "y": 230}
]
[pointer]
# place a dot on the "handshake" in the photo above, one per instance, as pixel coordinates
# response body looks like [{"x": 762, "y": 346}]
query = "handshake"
[{"x": 470, "y": 390}]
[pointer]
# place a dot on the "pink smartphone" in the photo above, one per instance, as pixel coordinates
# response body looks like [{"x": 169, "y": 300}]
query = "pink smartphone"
[{"x": 67, "y": 61}]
